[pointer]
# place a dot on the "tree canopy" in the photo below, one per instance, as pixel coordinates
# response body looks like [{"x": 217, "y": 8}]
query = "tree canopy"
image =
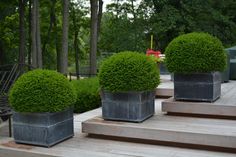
[{"x": 125, "y": 25}]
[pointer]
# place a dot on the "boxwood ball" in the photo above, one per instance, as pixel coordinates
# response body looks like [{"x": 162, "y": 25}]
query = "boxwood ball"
[
  {"x": 129, "y": 71},
  {"x": 195, "y": 52},
  {"x": 42, "y": 91}
]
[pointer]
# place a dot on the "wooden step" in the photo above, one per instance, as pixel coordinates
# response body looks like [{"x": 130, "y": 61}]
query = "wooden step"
[
  {"x": 225, "y": 106},
  {"x": 164, "y": 92},
  {"x": 217, "y": 109},
  {"x": 172, "y": 129}
]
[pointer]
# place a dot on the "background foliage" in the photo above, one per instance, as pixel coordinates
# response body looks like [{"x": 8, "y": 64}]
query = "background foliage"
[
  {"x": 126, "y": 25},
  {"x": 88, "y": 97}
]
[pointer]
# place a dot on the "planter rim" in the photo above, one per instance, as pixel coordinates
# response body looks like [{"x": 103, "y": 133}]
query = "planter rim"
[
  {"x": 42, "y": 113},
  {"x": 191, "y": 73},
  {"x": 102, "y": 90}
]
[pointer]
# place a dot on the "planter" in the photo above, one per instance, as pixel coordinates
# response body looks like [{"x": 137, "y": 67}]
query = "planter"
[
  {"x": 128, "y": 106},
  {"x": 43, "y": 129},
  {"x": 163, "y": 69},
  {"x": 197, "y": 86},
  {"x": 226, "y": 72},
  {"x": 232, "y": 69}
]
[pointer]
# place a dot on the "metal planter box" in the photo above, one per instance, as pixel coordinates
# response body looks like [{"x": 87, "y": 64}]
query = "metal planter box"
[
  {"x": 197, "y": 86},
  {"x": 163, "y": 69},
  {"x": 226, "y": 72},
  {"x": 233, "y": 69},
  {"x": 43, "y": 129},
  {"x": 128, "y": 106}
]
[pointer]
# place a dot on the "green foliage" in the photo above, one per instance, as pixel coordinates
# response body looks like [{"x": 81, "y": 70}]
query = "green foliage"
[
  {"x": 128, "y": 71},
  {"x": 42, "y": 91},
  {"x": 195, "y": 52},
  {"x": 88, "y": 97}
]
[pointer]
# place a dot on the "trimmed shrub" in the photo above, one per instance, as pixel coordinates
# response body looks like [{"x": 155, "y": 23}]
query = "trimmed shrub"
[
  {"x": 42, "y": 91},
  {"x": 88, "y": 97},
  {"x": 195, "y": 52},
  {"x": 129, "y": 71}
]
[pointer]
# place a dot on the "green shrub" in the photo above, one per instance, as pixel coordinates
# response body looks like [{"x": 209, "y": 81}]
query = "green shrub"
[
  {"x": 88, "y": 97},
  {"x": 195, "y": 52},
  {"x": 128, "y": 71},
  {"x": 42, "y": 91}
]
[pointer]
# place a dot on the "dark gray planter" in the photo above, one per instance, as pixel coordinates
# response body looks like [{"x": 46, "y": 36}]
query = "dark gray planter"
[
  {"x": 232, "y": 69},
  {"x": 128, "y": 106},
  {"x": 163, "y": 69},
  {"x": 226, "y": 72},
  {"x": 197, "y": 86},
  {"x": 43, "y": 129}
]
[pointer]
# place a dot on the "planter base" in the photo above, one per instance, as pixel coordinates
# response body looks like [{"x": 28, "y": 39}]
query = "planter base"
[
  {"x": 43, "y": 129},
  {"x": 130, "y": 106},
  {"x": 197, "y": 87}
]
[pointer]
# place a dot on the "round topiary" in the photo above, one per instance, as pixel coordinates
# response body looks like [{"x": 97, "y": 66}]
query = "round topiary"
[
  {"x": 195, "y": 52},
  {"x": 42, "y": 91},
  {"x": 128, "y": 71}
]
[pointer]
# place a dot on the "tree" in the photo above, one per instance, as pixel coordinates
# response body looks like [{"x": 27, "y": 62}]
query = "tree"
[
  {"x": 21, "y": 58},
  {"x": 93, "y": 36},
  {"x": 63, "y": 65},
  {"x": 36, "y": 39}
]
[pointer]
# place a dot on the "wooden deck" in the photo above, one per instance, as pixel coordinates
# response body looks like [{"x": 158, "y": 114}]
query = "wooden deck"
[
  {"x": 82, "y": 145},
  {"x": 224, "y": 106}
]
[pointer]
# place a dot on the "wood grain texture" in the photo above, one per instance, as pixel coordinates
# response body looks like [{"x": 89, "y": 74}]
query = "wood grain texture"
[
  {"x": 224, "y": 106},
  {"x": 199, "y": 131}
]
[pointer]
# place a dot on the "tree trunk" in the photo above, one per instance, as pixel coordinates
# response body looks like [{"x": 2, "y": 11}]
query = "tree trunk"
[
  {"x": 33, "y": 33},
  {"x": 76, "y": 48},
  {"x": 65, "y": 28},
  {"x": 55, "y": 32},
  {"x": 52, "y": 20},
  {"x": 76, "y": 54},
  {"x": 100, "y": 7},
  {"x": 21, "y": 58},
  {"x": 134, "y": 25},
  {"x": 38, "y": 38},
  {"x": 29, "y": 40},
  {"x": 93, "y": 36}
]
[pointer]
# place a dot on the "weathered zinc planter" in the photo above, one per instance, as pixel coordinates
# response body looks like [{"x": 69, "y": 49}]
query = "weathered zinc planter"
[
  {"x": 197, "y": 86},
  {"x": 163, "y": 69},
  {"x": 43, "y": 129},
  {"x": 225, "y": 74},
  {"x": 128, "y": 106}
]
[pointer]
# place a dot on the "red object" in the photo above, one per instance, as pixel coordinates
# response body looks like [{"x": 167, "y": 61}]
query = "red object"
[{"x": 150, "y": 52}]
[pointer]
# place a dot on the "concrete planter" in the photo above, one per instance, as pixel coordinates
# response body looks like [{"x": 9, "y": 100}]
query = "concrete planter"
[
  {"x": 128, "y": 106},
  {"x": 43, "y": 129},
  {"x": 197, "y": 86}
]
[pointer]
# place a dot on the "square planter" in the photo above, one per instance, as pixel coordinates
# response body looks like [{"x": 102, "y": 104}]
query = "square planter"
[
  {"x": 226, "y": 72},
  {"x": 163, "y": 69},
  {"x": 128, "y": 106},
  {"x": 232, "y": 69},
  {"x": 43, "y": 129},
  {"x": 197, "y": 86}
]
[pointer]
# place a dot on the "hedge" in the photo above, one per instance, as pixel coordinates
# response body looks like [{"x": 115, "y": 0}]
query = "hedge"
[{"x": 88, "y": 97}]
